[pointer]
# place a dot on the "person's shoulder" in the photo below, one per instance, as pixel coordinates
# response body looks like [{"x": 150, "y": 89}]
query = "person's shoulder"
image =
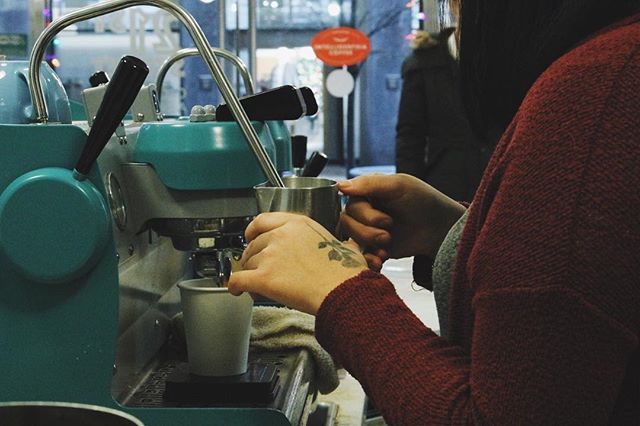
[
  {"x": 589, "y": 71},
  {"x": 606, "y": 51},
  {"x": 419, "y": 60},
  {"x": 424, "y": 40},
  {"x": 428, "y": 51}
]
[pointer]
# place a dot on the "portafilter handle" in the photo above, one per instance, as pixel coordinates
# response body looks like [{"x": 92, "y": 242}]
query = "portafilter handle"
[
  {"x": 282, "y": 103},
  {"x": 315, "y": 165},
  {"x": 121, "y": 91}
]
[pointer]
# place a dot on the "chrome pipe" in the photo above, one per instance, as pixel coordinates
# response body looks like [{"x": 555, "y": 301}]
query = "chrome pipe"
[
  {"x": 192, "y": 51},
  {"x": 253, "y": 31},
  {"x": 222, "y": 23},
  {"x": 199, "y": 39}
]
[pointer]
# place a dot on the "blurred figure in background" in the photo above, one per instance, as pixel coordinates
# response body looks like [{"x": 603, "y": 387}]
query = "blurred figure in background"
[{"x": 434, "y": 140}]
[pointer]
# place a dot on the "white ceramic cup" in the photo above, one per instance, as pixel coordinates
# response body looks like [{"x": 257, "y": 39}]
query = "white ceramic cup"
[{"x": 217, "y": 328}]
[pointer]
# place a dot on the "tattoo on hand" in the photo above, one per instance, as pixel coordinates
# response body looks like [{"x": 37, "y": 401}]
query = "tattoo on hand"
[{"x": 347, "y": 257}]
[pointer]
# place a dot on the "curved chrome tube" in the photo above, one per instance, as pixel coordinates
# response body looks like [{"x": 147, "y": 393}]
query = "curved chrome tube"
[
  {"x": 201, "y": 43},
  {"x": 192, "y": 51}
]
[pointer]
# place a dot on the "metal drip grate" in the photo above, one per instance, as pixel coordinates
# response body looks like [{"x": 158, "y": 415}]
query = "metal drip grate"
[{"x": 150, "y": 393}]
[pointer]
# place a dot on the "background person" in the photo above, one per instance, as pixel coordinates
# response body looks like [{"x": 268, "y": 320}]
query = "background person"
[{"x": 434, "y": 140}]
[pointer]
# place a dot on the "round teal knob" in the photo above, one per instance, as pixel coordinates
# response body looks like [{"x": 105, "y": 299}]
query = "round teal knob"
[{"x": 53, "y": 227}]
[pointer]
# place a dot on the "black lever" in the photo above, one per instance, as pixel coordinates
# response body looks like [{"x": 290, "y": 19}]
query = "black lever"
[
  {"x": 315, "y": 165},
  {"x": 118, "y": 97},
  {"x": 281, "y": 103},
  {"x": 310, "y": 100},
  {"x": 298, "y": 151}
]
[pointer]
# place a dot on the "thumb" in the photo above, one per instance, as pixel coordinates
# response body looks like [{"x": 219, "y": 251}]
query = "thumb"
[
  {"x": 247, "y": 281},
  {"x": 351, "y": 243},
  {"x": 376, "y": 185},
  {"x": 239, "y": 282}
]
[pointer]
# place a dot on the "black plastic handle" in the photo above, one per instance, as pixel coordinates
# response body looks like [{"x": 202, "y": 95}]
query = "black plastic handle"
[
  {"x": 119, "y": 96},
  {"x": 281, "y": 103},
  {"x": 309, "y": 100},
  {"x": 298, "y": 151},
  {"x": 315, "y": 165}
]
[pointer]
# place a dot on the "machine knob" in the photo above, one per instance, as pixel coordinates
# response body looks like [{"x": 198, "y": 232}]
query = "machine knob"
[
  {"x": 53, "y": 227},
  {"x": 98, "y": 78}
]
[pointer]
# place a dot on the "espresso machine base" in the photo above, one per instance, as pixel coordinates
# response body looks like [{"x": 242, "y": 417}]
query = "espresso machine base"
[{"x": 277, "y": 382}]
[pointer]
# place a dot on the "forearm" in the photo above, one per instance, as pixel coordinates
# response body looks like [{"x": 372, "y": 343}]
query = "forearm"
[
  {"x": 511, "y": 375},
  {"x": 403, "y": 366}
]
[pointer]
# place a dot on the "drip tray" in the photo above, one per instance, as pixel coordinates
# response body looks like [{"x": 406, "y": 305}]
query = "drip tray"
[
  {"x": 259, "y": 385},
  {"x": 281, "y": 381}
]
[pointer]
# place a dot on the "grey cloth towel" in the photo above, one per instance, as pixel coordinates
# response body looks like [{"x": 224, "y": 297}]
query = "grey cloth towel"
[{"x": 274, "y": 328}]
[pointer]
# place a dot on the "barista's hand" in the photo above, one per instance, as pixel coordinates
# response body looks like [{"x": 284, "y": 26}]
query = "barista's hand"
[
  {"x": 294, "y": 260},
  {"x": 394, "y": 216}
]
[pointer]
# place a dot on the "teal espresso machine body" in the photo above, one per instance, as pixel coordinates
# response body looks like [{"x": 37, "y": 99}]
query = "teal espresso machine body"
[{"x": 90, "y": 254}]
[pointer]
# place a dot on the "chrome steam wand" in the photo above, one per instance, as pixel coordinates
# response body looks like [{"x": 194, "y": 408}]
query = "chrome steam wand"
[{"x": 200, "y": 40}]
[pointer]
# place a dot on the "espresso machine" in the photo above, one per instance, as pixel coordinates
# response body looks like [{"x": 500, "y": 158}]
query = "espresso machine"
[{"x": 94, "y": 239}]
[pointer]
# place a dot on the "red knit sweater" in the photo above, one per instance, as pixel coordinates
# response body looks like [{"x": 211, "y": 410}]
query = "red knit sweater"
[{"x": 545, "y": 299}]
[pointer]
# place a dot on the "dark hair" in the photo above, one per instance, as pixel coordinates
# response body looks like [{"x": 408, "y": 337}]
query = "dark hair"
[{"x": 506, "y": 44}]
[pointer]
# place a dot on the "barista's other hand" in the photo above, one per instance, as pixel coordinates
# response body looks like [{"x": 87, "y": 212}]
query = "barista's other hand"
[
  {"x": 394, "y": 216},
  {"x": 294, "y": 260}
]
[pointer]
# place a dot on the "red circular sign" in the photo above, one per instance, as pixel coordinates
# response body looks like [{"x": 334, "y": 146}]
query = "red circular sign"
[{"x": 341, "y": 46}]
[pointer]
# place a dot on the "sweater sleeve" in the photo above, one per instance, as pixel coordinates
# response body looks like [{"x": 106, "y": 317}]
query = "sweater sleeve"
[
  {"x": 411, "y": 374},
  {"x": 544, "y": 303}
]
